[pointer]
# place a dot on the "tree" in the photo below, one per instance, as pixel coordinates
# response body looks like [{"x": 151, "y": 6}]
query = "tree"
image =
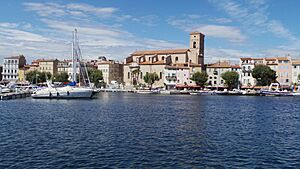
[
  {"x": 150, "y": 78},
  {"x": 231, "y": 79},
  {"x": 95, "y": 76},
  {"x": 264, "y": 75},
  {"x": 61, "y": 77},
  {"x": 200, "y": 78},
  {"x": 35, "y": 76}
]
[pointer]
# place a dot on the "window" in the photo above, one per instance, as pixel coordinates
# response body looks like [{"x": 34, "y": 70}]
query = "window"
[
  {"x": 215, "y": 82},
  {"x": 160, "y": 75},
  {"x": 286, "y": 80},
  {"x": 194, "y": 44},
  {"x": 141, "y": 75},
  {"x": 249, "y": 74},
  {"x": 128, "y": 75},
  {"x": 176, "y": 59},
  {"x": 163, "y": 58}
]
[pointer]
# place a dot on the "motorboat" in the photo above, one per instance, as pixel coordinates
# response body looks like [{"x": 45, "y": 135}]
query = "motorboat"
[
  {"x": 72, "y": 91},
  {"x": 4, "y": 89},
  {"x": 273, "y": 90}
]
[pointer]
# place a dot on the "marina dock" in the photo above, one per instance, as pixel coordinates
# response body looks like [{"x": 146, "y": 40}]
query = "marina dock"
[{"x": 14, "y": 95}]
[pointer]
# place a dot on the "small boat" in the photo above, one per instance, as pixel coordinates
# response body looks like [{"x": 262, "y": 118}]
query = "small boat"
[
  {"x": 275, "y": 92},
  {"x": 202, "y": 93},
  {"x": 4, "y": 89}
]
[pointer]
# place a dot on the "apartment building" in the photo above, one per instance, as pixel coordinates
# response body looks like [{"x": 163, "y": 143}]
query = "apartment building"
[{"x": 11, "y": 67}]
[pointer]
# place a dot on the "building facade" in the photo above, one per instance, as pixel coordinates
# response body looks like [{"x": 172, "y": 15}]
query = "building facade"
[
  {"x": 111, "y": 71},
  {"x": 247, "y": 64},
  {"x": 48, "y": 66},
  {"x": 139, "y": 63},
  {"x": 11, "y": 67},
  {"x": 281, "y": 65},
  {"x": 215, "y": 71},
  {"x": 295, "y": 71}
]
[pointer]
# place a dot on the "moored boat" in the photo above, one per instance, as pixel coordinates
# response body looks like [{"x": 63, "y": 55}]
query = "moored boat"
[{"x": 72, "y": 91}]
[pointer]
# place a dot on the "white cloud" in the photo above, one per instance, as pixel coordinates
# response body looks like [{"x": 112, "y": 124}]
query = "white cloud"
[
  {"x": 254, "y": 17},
  {"x": 73, "y": 9},
  {"x": 221, "y": 20},
  {"x": 230, "y": 33}
]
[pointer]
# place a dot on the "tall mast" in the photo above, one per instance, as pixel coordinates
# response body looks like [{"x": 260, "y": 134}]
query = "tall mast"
[{"x": 74, "y": 62}]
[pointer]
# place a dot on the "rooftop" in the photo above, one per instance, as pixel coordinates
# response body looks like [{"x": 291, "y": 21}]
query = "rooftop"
[
  {"x": 156, "y": 52},
  {"x": 223, "y": 64}
]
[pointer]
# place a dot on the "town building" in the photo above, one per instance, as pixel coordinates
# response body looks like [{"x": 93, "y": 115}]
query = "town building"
[
  {"x": 215, "y": 71},
  {"x": 48, "y": 66},
  {"x": 139, "y": 63},
  {"x": 284, "y": 71},
  {"x": 22, "y": 73},
  {"x": 281, "y": 65},
  {"x": 177, "y": 77},
  {"x": 295, "y": 71},
  {"x": 111, "y": 71},
  {"x": 11, "y": 67},
  {"x": 247, "y": 64}
]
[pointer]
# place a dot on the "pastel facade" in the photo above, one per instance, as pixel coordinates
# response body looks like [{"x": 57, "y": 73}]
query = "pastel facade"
[
  {"x": 215, "y": 71},
  {"x": 295, "y": 71},
  {"x": 48, "y": 66},
  {"x": 157, "y": 61},
  {"x": 111, "y": 71},
  {"x": 11, "y": 67},
  {"x": 247, "y": 65}
]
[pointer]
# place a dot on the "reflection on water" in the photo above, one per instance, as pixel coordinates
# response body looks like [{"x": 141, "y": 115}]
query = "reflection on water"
[{"x": 123, "y": 130}]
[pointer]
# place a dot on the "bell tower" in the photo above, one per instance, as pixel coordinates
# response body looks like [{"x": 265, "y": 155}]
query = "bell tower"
[{"x": 197, "y": 48}]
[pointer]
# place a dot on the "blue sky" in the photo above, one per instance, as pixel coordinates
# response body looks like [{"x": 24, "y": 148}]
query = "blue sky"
[{"x": 116, "y": 28}]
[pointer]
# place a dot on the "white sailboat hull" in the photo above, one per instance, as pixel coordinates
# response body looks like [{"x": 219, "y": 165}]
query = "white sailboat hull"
[{"x": 63, "y": 93}]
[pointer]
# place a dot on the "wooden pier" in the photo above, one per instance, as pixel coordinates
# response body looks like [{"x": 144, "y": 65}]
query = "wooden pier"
[{"x": 14, "y": 95}]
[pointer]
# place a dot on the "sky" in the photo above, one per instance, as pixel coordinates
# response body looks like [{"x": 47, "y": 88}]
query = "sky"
[{"x": 116, "y": 28}]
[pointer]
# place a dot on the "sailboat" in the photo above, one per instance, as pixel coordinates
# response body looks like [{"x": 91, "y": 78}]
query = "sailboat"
[{"x": 72, "y": 91}]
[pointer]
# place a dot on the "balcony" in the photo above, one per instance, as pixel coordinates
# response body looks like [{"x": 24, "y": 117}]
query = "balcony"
[
  {"x": 246, "y": 71},
  {"x": 171, "y": 78}
]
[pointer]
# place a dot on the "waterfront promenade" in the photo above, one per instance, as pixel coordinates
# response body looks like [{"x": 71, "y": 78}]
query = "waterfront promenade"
[{"x": 127, "y": 130}]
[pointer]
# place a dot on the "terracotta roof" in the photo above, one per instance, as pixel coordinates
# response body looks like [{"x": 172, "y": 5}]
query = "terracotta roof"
[
  {"x": 196, "y": 33},
  {"x": 283, "y": 58},
  {"x": 246, "y": 58},
  {"x": 46, "y": 60},
  {"x": 295, "y": 62},
  {"x": 269, "y": 59},
  {"x": 235, "y": 66},
  {"x": 177, "y": 67},
  {"x": 220, "y": 65},
  {"x": 14, "y": 57},
  {"x": 153, "y": 63},
  {"x": 155, "y": 52}
]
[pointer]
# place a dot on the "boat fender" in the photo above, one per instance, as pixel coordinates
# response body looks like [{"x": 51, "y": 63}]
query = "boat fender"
[{"x": 68, "y": 93}]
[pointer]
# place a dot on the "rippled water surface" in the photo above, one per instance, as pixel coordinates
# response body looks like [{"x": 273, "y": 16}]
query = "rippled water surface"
[{"x": 122, "y": 130}]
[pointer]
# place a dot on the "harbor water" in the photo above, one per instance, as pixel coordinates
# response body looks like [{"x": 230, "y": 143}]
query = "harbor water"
[{"x": 127, "y": 130}]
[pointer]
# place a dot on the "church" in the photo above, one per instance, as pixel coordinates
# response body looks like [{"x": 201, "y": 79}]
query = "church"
[{"x": 174, "y": 67}]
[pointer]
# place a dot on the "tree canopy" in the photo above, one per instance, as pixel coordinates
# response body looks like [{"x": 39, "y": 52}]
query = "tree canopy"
[
  {"x": 35, "y": 76},
  {"x": 264, "y": 75},
  {"x": 95, "y": 76},
  {"x": 200, "y": 78},
  {"x": 231, "y": 79},
  {"x": 150, "y": 78},
  {"x": 61, "y": 77}
]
